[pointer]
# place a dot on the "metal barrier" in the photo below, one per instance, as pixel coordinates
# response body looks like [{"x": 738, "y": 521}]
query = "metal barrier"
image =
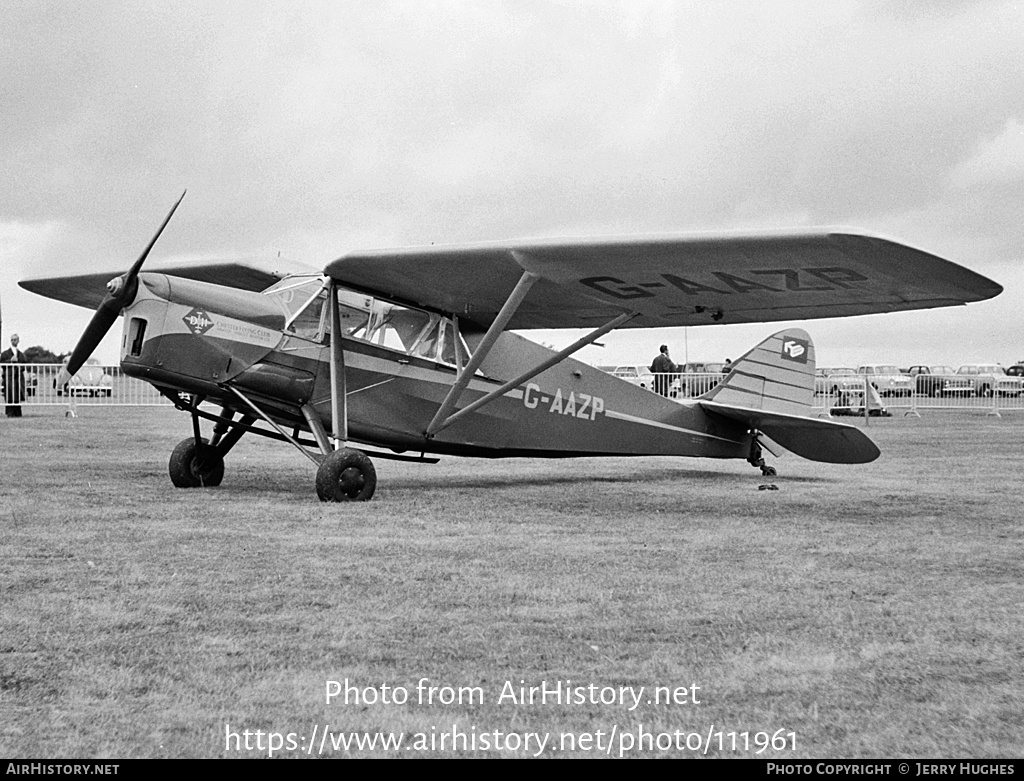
[
  {"x": 850, "y": 400},
  {"x": 911, "y": 404},
  {"x": 93, "y": 385},
  {"x": 108, "y": 386}
]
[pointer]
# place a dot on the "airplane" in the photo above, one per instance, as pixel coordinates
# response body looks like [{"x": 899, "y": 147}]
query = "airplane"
[{"x": 411, "y": 354}]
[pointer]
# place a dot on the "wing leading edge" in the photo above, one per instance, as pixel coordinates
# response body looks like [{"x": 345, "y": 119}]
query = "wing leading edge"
[
  {"x": 697, "y": 279},
  {"x": 245, "y": 274}
]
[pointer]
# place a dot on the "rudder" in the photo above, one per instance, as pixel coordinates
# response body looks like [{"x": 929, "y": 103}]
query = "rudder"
[{"x": 775, "y": 376}]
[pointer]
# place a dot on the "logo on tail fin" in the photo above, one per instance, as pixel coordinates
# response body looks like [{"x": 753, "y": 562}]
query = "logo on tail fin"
[{"x": 795, "y": 350}]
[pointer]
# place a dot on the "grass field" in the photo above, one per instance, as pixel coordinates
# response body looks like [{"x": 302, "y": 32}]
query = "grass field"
[{"x": 870, "y": 611}]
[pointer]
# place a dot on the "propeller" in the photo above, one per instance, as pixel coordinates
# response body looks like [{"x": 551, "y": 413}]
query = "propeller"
[{"x": 120, "y": 293}]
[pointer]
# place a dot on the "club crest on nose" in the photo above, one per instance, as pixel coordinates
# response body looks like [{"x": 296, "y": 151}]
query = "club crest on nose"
[{"x": 198, "y": 322}]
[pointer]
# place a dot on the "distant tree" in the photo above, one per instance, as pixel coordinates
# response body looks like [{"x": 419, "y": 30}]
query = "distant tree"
[{"x": 39, "y": 354}]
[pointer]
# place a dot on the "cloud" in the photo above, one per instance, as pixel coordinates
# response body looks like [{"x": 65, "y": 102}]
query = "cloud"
[
  {"x": 995, "y": 162},
  {"x": 311, "y": 128}
]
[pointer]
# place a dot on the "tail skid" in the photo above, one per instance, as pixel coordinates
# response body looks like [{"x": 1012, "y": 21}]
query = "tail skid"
[{"x": 771, "y": 388}]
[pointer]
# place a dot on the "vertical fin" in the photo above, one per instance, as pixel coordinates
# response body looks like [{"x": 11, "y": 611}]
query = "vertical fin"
[{"x": 775, "y": 376}]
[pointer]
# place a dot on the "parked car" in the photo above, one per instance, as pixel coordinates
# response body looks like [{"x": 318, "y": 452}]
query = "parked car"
[
  {"x": 887, "y": 379},
  {"x": 989, "y": 378},
  {"x": 1017, "y": 370},
  {"x": 637, "y": 375},
  {"x": 91, "y": 380},
  {"x": 939, "y": 381},
  {"x": 842, "y": 379}
]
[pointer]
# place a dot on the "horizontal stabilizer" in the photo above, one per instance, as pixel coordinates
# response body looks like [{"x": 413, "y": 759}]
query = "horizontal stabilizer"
[
  {"x": 811, "y": 438},
  {"x": 771, "y": 388}
]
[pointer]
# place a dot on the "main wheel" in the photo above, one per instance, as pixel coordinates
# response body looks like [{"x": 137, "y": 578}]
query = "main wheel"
[
  {"x": 195, "y": 467},
  {"x": 346, "y": 476}
]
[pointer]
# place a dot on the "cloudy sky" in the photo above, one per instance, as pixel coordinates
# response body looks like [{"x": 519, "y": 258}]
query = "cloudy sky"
[{"x": 309, "y": 129}]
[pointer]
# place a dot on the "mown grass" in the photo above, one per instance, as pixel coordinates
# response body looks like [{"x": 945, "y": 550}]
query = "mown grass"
[{"x": 874, "y": 611}]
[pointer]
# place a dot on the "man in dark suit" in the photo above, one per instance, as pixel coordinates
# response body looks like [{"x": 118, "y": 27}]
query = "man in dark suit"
[
  {"x": 14, "y": 378},
  {"x": 663, "y": 370}
]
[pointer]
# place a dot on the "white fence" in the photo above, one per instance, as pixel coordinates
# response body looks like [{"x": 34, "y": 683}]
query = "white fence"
[
  {"x": 94, "y": 384},
  {"x": 107, "y": 385},
  {"x": 687, "y": 386}
]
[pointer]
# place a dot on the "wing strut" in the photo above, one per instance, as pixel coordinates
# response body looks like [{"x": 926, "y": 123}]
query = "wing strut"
[
  {"x": 444, "y": 416},
  {"x": 279, "y": 430},
  {"x": 529, "y": 375},
  {"x": 339, "y": 387},
  {"x": 469, "y": 370}
]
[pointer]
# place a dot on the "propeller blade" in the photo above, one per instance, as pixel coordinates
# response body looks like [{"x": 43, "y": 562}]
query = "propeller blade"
[
  {"x": 125, "y": 286},
  {"x": 121, "y": 293},
  {"x": 104, "y": 317}
]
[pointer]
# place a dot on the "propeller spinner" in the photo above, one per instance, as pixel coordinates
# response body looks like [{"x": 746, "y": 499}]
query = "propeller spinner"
[{"x": 120, "y": 293}]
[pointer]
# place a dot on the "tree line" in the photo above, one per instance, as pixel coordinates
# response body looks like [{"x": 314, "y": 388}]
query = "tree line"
[{"x": 39, "y": 354}]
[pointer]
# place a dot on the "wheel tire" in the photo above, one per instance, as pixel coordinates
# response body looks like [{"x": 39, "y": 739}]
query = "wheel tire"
[
  {"x": 346, "y": 475},
  {"x": 768, "y": 471},
  {"x": 195, "y": 467}
]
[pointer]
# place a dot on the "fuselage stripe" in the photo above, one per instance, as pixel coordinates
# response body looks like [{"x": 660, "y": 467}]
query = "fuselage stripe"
[{"x": 657, "y": 424}]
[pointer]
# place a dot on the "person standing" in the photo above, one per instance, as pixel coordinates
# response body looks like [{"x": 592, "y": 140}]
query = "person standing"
[
  {"x": 663, "y": 370},
  {"x": 14, "y": 378}
]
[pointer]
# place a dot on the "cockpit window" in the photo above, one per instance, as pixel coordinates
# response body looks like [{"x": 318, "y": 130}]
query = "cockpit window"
[
  {"x": 304, "y": 299},
  {"x": 307, "y": 322},
  {"x": 398, "y": 327},
  {"x": 354, "y": 312},
  {"x": 375, "y": 320},
  {"x": 426, "y": 345}
]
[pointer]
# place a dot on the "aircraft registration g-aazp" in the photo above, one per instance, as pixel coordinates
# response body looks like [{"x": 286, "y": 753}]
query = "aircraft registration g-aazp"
[{"x": 411, "y": 351}]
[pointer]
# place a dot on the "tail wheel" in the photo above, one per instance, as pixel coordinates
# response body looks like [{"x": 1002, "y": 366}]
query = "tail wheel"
[
  {"x": 346, "y": 476},
  {"x": 195, "y": 466}
]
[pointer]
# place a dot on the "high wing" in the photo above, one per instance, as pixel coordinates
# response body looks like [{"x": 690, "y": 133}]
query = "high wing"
[
  {"x": 695, "y": 279},
  {"x": 88, "y": 290}
]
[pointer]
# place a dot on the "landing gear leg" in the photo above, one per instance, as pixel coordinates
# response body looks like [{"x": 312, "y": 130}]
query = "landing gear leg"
[
  {"x": 194, "y": 463},
  {"x": 756, "y": 458},
  {"x": 224, "y": 438}
]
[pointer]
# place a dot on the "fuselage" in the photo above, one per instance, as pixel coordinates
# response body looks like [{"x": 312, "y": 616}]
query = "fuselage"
[{"x": 399, "y": 364}]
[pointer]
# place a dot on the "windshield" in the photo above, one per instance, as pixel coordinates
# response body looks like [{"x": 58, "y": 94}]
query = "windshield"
[{"x": 304, "y": 299}]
